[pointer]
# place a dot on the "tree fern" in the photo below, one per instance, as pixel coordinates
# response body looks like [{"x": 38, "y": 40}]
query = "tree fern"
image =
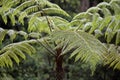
[
  {"x": 16, "y": 12},
  {"x": 42, "y": 15},
  {"x": 84, "y": 46}
]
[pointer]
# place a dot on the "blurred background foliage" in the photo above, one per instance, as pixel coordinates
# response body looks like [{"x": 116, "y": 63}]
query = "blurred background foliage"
[{"x": 40, "y": 66}]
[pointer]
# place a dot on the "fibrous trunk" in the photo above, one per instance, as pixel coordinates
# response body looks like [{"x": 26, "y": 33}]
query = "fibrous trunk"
[{"x": 59, "y": 68}]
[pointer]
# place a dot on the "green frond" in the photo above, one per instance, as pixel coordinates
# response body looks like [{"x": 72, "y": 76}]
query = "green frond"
[
  {"x": 23, "y": 34},
  {"x": 49, "y": 4},
  {"x": 113, "y": 58},
  {"x": 2, "y": 34},
  {"x": 4, "y": 17},
  {"x": 38, "y": 24},
  {"x": 59, "y": 22},
  {"x": 75, "y": 23},
  {"x": 80, "y": 15},
  {"x": 98, "y": 33},
  {"x": 12, "y": 34},
  {"x": 15, "y": 51},
  {"x": 115, "y": 7},
  {"x": 34, "y": 35},
  {"x": 87, "y": 26},
  {"x": 105, "y": 22},
  {"x": 117, "y": 37},
  {"x": 57, "y": 12},
  {"x": 83, "y": 45},
  {"x": 44, "y": 23},
  {"x": 19, "y": 11},
  {"x": 102, "y": 20},
  {"x": 6, "y": 77},
  {"x": 12, "y": 17},
  {"x": 93, "y": 10},
  {"x": 32, "y": 9},
  {"x": 19, "y": 53},
  {"x": 109, "y": 31},
  {"x": 103, "y": 5},
  {"x": 21, "y": 17},
  {"x": 96, "y": 21},
  {"x": 106, "y": 12},
  {"x": 25, "y": 4}
]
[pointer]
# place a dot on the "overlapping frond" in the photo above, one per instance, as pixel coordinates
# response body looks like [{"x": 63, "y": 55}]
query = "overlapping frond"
[
  {"x": 18, "y": 11},
  {"x": 83, "y": 46},
  {"x": 13, "y": 34},
  {"x": 47, "y": 22},
  {"x": 102, "y": 21}
]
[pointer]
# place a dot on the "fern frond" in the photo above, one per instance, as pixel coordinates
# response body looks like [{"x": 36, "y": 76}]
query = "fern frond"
[
  {"x": 32, "y": 9},
  {"x": 14, "y": 51},
  {"x": 12, "y": 34},
  {"x": 23, "y": 34},
  {"x": 18, "y": 12},
  {"x": 93, "y": 10},
  {"x": 83, "y": 45},
  {"x": 117, "y": 37},
  {"x": 4, "y": 17},
  {"x": 115, "y": 7},
  {"x": 38, "y": 24},
  {"x": 2, "y": 34},
  {"x": 25, "y": 4},
  {"x": 103, "y": 18},
  {"x": 41, "y": 24},
  {"x": 57, "y": 12},
  {"x": 103, "y": 23},
  {"x": 113, "y": 58},
  {"x": 106, "y": 12},
  {"x": 103, "y": 4}
]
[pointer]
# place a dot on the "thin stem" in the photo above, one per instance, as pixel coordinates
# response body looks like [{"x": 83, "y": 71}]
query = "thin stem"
[
  {"x": 47, "y": 48},
  {"x": 50, "y": 27}
]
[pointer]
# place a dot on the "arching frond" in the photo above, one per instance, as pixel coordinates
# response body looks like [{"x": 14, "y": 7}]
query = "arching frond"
[
  {"x": 83, "y": 45},
  {"x": 44, "y": 23},
  {"x": 15, "y": 51},
  {"x": 103, "y": 21},
  {"x": 12, "y": 34},
  {"x": 29, "y": 9},
  {"x": 103, "y": 18}
]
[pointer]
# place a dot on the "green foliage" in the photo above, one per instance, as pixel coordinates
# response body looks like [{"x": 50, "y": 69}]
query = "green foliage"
[
  {"x": 13, "y": 34},
  {"x": 112, "y": 59},
  {"x": 100, "y": 20},
  {"x": 74, "y": 38},
  {"x": 14, "y": 51},
  {"x": 103, "y": 21},
  {"x": 31, "y": 9}
]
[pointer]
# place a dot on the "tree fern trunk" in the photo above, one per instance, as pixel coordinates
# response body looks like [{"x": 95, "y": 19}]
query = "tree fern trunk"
[{"x": 59, "y": 68}]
